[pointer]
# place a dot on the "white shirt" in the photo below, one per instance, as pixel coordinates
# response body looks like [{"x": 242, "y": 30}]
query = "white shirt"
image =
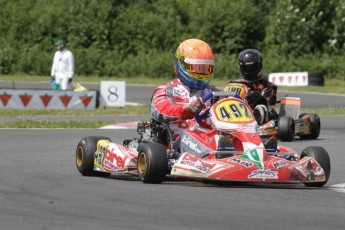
[{"x": 63, "y": 64}]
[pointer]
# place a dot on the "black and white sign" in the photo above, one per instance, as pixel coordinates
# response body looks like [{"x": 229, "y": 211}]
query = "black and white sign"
[{"x": 113, "y": 93}]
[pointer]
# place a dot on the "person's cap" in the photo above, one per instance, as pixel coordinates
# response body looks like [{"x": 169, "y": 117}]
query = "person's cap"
[{"x": 60, "y": 43}]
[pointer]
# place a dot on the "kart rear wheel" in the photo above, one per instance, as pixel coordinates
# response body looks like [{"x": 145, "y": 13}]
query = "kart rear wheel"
[
  {"x": 286, "y": 128},
  {"x": 315, "y": 126},
  {"x": 152, "y": 162},
  {"x": 322, "y": 157},
  {"x": 85, "y": 156}
]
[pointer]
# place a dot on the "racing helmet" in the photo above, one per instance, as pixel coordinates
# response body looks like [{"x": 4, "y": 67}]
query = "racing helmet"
[
  {"x": 250, "y": 64},
  {"x": 193, "y": 63}
]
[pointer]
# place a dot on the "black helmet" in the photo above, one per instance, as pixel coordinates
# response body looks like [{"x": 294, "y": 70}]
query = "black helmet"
[{"x": 250, "y": 64}]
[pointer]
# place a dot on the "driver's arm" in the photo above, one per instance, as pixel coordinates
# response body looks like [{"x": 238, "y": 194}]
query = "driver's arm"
[
  {"x": 164, "y": 107},
  {"x": 270, "y": 93}
]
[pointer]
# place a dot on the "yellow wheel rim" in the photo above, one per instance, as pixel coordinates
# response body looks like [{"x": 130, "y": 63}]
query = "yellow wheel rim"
[
  {"x": 141, "y": 163},
  {"x": 79, "y": 156}
]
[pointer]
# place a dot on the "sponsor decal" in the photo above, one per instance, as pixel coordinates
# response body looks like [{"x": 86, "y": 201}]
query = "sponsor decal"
[
  {"x": 5, "y": 98},
  {"x": 189, "y": 142},
  {"x": 65, "y": 99},
  {"x": 242, "y": 162},
  {"x": 198, "y": 165},
  {"x": 289, "y": 78},
  {"x": 85, "y": 100},
  {"x": 46, "y": 99},
  {"x": 248, "y": 128},
  {"x": 25, "y": 98},
  {"x": 254, "y": 156},
  {"x": 279, "y": 164},
  {"x": 263, "y": 174},
  {"x": 115, "y": 158},
  {"x": 110, "y": 166},
  {"x": 180, "y": 92}
]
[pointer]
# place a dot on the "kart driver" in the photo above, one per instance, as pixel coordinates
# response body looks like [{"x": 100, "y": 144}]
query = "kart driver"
[
  {"x": 262, "y": 93},
  {"x": 178, "y": 101}
]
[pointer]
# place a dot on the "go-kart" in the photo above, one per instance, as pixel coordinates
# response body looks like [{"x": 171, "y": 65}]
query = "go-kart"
[
  {"x": 232, "y": 151},
  {"x": 286, "y": 124}
]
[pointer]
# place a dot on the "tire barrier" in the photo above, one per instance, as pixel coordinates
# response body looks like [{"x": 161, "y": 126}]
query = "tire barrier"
[{"x": 316, "y": 78}]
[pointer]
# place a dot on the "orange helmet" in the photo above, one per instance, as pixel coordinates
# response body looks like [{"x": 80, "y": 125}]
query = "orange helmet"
[{"x": 194, "y": 63}]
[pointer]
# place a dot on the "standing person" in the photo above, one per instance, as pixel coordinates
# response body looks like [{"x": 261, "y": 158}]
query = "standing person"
[
  {"x": 262, "y": 92},
  {"x": 63, "y": 66},
  {"x": 178, "y": 101}
]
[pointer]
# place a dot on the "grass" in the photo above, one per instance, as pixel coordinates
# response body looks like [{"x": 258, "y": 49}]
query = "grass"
[
  {"x": 30, "y": 121},
  {"x": 53, "y": 124},
  {"x": 128, "y": 110},
  {"x": 44, "y": 118}
]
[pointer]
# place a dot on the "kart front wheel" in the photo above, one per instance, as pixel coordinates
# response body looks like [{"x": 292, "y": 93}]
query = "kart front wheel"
[
  {"x": 315, "y": 126},
  {"x": 85, "y": 156},
  {"x": 322, "y": 157},
  {"x": 152, "y": 162},
  {"x": 286, "y": 128}
]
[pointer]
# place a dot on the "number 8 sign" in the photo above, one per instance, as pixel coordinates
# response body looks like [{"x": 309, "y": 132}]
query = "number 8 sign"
[{"x": 113, "y": 93}]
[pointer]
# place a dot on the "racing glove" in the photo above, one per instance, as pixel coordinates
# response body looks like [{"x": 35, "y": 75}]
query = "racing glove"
[
  {"x": 254, "y": 98},
  {"x": 196, "y": 105},
  {"x": 267, "y": 92},
  {"x": 52, "y": 78},
  {"x": 70, "y": 80}
]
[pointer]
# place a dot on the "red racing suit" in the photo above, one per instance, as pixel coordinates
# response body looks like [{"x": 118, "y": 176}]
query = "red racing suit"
[{"x": 170, "y": 104}]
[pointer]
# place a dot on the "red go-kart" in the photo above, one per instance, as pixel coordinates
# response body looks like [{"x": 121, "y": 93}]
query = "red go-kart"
[{"x": 240, "y": 156}]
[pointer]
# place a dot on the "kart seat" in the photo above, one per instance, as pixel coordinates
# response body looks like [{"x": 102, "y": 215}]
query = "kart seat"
[
  {"x": 271, "y": 143},
  {"x": 224, "y": 142}
]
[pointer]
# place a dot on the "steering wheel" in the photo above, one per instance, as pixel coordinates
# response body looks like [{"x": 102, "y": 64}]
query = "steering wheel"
[{"x": 200, "y": 117}]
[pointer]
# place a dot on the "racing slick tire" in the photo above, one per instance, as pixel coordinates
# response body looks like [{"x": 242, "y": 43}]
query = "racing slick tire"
[
  {"x": 286, "y": 128},
  {"x": 322, "y": 157},
  {"x": 152, "y": 162},
  {"x": 85, "y": 155},
  {"x": 315, "y": 126}
]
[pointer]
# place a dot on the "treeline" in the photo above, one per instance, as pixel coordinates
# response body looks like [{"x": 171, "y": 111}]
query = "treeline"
[{"x": 127, "y": 38}]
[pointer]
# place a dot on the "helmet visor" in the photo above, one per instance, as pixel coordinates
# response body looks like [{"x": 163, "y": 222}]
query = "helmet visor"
[
  {"x": 199, "y": 66},
  {"x": 250, "y": 68}
]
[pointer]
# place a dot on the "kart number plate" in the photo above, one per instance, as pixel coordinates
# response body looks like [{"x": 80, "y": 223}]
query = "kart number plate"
[{"x": 233, "y": 111}]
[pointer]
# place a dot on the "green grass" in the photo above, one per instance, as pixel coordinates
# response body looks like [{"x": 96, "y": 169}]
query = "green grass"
[
  {"x": 44, "y": 118},
  {"x": 324, "y": 111},
  {"x": 128, "y": 110},
  {"x": 54, "y": 124}
]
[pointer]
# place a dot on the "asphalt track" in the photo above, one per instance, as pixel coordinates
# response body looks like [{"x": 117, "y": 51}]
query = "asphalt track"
[{"x": 40, "y": 188}]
